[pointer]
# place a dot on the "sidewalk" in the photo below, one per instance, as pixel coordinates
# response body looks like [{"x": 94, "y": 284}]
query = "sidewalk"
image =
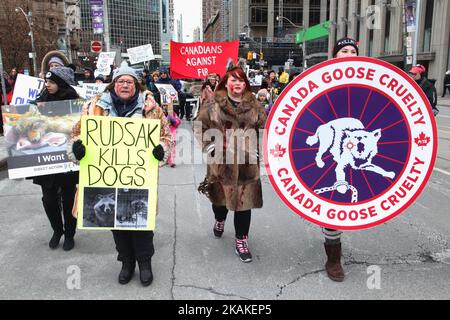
[
  {"x": 3, "y": 153},
  {"x": 444, "y": 102}
]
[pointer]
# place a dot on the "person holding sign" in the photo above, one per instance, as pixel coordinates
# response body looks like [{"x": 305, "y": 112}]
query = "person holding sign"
[
  {"x": 124, "y": 97},
  {"x": 345, "y": 47},
  {"x": 208, "y": 88},
  {"x": 57, "y": 88},
  {"x": 417, "y": 73},
  {"x": 235, "y": 115},
  {"x": 174, "y": 122}
]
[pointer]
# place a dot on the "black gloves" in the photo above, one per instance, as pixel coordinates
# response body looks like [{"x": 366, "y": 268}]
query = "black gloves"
[
  {"x": 158, "y": 152},
  {"x": 78, "y": 149}
]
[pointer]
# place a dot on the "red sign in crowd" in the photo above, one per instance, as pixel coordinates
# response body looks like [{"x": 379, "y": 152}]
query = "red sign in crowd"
[{"x": 198, "y": 59}]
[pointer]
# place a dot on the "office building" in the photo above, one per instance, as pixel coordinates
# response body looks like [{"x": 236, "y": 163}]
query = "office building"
[{"x": 121, "y": 25}]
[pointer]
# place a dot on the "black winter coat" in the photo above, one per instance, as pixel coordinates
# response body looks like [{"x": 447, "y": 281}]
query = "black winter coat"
[
  {"x": 429, "y": 89},
  {"x": 59, "y": 179}
]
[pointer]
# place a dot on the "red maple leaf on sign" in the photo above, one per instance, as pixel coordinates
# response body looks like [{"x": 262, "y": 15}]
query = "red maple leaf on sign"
[
  {"x": 278, "y": 152},
  {"x": 422, "y": 140}
]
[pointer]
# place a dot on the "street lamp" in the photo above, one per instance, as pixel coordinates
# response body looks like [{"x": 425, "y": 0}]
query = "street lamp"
[
  {"x": 30, "y": 24},
  {"x": 280, "y": 19}
]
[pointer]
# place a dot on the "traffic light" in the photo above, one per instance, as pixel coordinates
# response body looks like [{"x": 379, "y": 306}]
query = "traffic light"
[
  {"x": 250, "y": 56},
  {"x": 261, "y": 56}
]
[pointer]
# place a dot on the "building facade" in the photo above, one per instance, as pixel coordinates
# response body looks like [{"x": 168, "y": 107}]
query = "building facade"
[
  {"x": 167, "y": 29},
  {"x": 196, "y": 35},
  {"x": 48, "y": 24},
  {"x": 212, "y": 20},
  {"x": 381, "y": 31},
  {"x": 125, "y": 25},
  {"x": 180, "y": 28},
  {"x": 378, "y": 26}
]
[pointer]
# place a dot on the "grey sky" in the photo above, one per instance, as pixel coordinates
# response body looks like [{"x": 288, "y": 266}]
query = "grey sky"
[{"x": 192, "y": 15}]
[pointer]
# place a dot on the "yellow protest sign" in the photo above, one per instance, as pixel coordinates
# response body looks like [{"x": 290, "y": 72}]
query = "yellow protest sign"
[{"x": 118, "y": 175}]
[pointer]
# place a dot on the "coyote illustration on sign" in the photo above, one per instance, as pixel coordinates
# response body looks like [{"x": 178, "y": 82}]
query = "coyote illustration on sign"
[{"x": 350, "y": 144}]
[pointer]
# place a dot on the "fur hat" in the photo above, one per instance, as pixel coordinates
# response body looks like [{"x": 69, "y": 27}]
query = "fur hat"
[
  {"x": 49, "y": 55},
  {"x": 62, "y": 76},
  {"x": 124, "y": 69},
  {"x": 263, "y": 92},
  {"x": 341, "y": 43}
]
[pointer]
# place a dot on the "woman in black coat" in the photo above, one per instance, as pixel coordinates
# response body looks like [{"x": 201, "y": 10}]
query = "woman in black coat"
[{"x": 58, "y": 189}]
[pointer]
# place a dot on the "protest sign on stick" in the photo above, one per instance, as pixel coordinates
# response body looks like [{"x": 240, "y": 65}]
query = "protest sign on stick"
[
  {"x": 118, "y": 175},
  {"x": 140, "y": 54}
]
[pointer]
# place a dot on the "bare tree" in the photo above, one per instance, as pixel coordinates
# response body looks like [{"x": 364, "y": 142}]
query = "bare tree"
[{"x": 14, "y": 31}]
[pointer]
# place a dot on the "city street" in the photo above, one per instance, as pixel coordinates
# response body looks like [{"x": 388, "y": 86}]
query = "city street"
[{"x": 406, "y": 258}]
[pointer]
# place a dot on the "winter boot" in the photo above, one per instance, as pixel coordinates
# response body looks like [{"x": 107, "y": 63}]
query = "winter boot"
[
  {"x": 127, "y": 271},
  {"x": 54, "y": 241},
  {"x": 145, "y": 272},
  {"x": 333, "y": 265},
  {"x": 242, "y": 249},
  {"x": 68, "y": 244},
  {"x": 218, "y": 228}
]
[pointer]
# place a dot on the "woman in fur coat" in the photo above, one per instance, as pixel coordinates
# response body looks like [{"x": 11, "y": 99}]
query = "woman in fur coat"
[{"x": 232, "y": 181}]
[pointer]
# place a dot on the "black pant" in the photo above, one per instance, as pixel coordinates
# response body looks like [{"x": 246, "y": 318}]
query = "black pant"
[
  {"x": 241, "y": 220},
  {"x": 134, "y": 245},
  {"x": 52, "y": 201},
  {"x": 446, "y": 87},
  {"x": 188, "y": 109},
  {"x": 182, "y": 101}
]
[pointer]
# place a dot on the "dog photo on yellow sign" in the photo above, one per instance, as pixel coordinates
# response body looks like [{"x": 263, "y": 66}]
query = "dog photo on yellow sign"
[{"x": 119, "y": 175}]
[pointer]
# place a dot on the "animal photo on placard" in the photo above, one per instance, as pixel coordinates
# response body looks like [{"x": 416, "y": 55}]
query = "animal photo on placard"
[
  {"x": 99, "y": 207},
  {"x": 132, "y": 208},
  {"x": 40, "y": 129}
]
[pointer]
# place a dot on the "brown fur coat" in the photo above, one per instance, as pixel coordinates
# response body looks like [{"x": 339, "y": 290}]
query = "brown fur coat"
[{"x": 232, "y": 178}]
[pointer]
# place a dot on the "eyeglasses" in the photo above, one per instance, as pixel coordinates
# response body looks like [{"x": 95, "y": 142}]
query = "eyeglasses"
[{"x": 122, "y": 82}]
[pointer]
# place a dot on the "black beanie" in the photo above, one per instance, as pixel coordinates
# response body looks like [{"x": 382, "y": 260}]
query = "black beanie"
[{"x": 341, "y": 43}]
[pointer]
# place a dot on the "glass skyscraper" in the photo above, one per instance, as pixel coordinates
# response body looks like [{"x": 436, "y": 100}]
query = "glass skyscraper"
[{"x": 130, "y": 24}]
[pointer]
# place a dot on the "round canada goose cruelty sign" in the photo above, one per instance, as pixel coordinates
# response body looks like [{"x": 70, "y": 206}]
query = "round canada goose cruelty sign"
[{"x": 350, "y": 143}]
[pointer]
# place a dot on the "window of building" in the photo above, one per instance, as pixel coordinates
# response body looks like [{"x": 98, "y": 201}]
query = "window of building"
[
  {"x": 387, "y": 27},
  {"x": 328, "y": 9},
  {"x": 258, "y": 15},
  {"x": 314, "y": 12},
  {"x": 428, "y": 25},
  {"x": 258, "y": 2},
  {"x": 293, "y": 14},
  {"x": 358, "y": 21},
  {"x": 448, "y": 62},
  {"x": 346, "y": 18},
  {"x": 164, "y": 16}
]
